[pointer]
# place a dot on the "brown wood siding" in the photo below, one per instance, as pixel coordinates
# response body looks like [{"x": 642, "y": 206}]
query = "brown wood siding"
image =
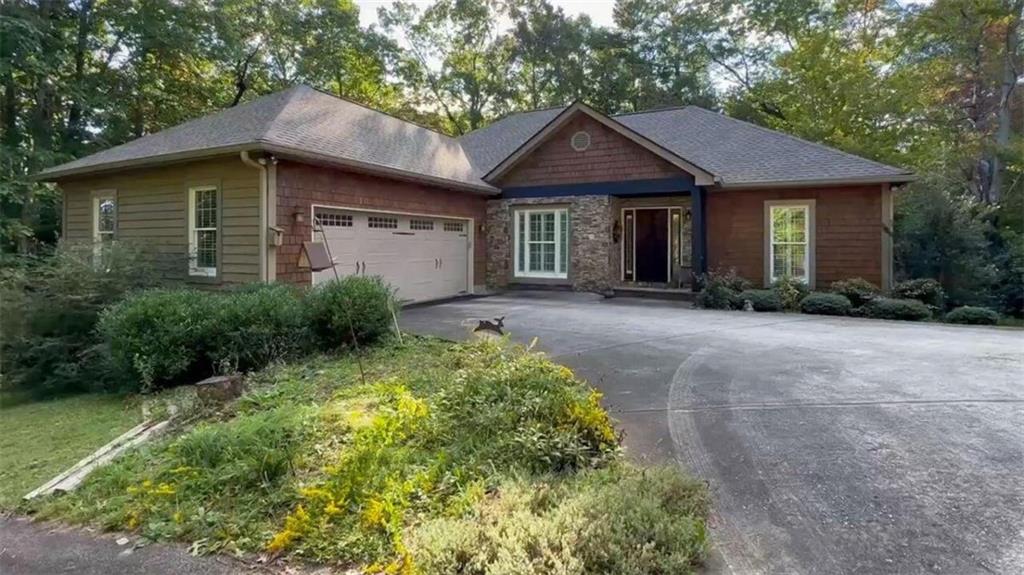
[
  {"x": 848, "y": 231},
  {"x": 152, "y": 209},
  {"x": 611, "y": 157},
  {"x": 300, "y": 186}
]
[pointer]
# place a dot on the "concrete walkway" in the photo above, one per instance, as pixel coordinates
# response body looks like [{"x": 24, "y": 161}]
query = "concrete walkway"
[{"x": 832, "y": 445}]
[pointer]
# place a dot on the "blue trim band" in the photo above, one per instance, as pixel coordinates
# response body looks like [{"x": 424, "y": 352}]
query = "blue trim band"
[{"x": 627, "y": 188}]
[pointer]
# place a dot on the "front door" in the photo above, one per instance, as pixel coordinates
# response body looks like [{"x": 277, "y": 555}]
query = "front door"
[{"x": 652, "y": 245}]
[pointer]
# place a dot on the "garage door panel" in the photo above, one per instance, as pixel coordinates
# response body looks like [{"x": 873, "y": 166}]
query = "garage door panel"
[{"x": 421, "y": 257}]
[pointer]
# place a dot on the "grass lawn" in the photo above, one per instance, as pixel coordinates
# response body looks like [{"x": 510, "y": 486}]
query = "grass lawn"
[
  {"x": 431, "y": 458},
  {"x": 42, "y": 438}
]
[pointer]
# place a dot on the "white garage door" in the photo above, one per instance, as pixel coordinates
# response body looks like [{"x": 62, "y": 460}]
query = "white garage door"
[{"x": 423, "y": 257}]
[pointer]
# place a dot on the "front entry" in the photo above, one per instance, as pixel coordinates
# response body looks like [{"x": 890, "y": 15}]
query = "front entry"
[
  {"x": 652, "y": 264},
  {"x": 654, "y": 242}
]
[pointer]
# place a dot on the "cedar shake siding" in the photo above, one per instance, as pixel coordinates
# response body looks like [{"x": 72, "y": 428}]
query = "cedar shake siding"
[
  {"x": 848, "y": 231},
  {"x": 152, "y": 211},
  {"x": 301, "y": 186},
  {"x": 611, "y": 157}
]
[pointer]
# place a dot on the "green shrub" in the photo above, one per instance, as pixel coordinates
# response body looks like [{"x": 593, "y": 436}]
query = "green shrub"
[
  {"x": 790, "y": 291},
  {"x": 258, "y": 324},
  {"x": 621, "y": 520},
  {"x": 821, "y": 303},
  {"x": 355, "y": 304},
  {"x": 164, "y": 336},
  {"x": 169, "y": 336},
  {"x": 858, "y": 290},
  {"x": 50, "y": 305},
  {"x": 761, "y": 299},
  {"x": 924, "y": 290},
  {"x": 903, "y": 309},
  {"x": 719, "y": 290},
  {"x": 973, "y": 316}
]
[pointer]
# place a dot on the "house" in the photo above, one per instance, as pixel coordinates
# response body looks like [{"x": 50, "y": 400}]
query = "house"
[{"x": 563, "y": 196}]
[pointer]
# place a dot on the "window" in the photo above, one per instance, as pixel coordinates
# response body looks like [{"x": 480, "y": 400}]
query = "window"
[
  {"x": 104, "y": 217},
  {"x": 542, "y": 243},
  {"x": 421, "y": 224},
  {"x": 382, "y": 222},
  {"x": 335, "y": 220},
  {"x": 454, "y": 227},
  {"x": 202, "y": 231},
  {"x": 790, "y": 240}
]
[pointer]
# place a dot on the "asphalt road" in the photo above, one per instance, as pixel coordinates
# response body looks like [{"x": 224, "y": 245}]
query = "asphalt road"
[
  {"x": 28, "y": 548},
  {"x": 832, "y": 445}
]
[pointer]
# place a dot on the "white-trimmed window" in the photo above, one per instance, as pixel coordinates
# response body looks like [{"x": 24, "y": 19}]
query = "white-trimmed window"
[
  {"x": 542, "y": 243},
  {"x": 104, "y": 216},
  {"x": 203, "y": 206},
  {"x": 790, "y": 240}
]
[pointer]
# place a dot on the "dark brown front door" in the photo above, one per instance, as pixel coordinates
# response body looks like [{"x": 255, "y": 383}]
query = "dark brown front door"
[{"x": 652, "y": 246}]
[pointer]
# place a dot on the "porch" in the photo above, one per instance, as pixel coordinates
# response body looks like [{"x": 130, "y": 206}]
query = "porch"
[{"x": 644, "y": 236}]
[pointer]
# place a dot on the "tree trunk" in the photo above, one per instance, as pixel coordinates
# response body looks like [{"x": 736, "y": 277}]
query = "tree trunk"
[
  {"x": 1003, "y": 115},
  {"x": 73, "y": 134}
]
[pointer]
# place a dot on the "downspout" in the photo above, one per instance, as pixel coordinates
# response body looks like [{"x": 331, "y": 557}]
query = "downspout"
[{"x": 262, "y": 236}]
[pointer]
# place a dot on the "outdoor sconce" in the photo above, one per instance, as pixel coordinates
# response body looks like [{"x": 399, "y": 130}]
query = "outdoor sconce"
[
  {"x": 616, "y": 232},
  {"x": 299, "y": 217},
  {"x": 687, "y": 215}
]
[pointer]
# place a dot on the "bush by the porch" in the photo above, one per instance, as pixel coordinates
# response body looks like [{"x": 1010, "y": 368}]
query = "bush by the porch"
[
  {"x": 821, "y": 303},
  {"x": 790, "y": 291},
  {"x": 924, "y": 290},
  {"x": 761, "y": 299},
  {"x": 858, "y": 290},
  {"x": 902, "y": 309},
  {"x": 719, "y": 290},
  {"x": 972, "y": 316}
]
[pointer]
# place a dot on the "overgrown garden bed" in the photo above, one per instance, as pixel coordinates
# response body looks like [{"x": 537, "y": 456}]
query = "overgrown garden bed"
[{"x": 439, "y": 458}]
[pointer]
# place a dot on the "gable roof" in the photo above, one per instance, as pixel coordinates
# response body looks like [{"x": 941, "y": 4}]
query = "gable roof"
[
  {"x": 306, "y": 123},
  {"x": 741, "y": 154},
  {"x": 310, "y": 125},
  {"x": 701, "y": 176}
]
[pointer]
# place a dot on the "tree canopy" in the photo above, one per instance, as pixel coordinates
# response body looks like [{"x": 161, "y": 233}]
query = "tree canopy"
[{"x": 933, "y": 87}]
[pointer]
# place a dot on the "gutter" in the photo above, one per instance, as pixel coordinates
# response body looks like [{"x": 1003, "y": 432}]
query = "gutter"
[
  {"x": 263, "y": 189},
  {"x": 895, "y": 179}
]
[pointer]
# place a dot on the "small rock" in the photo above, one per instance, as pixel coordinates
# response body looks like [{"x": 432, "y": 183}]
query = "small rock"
[{"x": 123, "y": 541}]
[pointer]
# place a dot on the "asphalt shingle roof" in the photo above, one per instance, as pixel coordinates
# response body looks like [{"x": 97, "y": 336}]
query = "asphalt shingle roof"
[
  {"x": 304, "y": 120},
  {"x": 489, "y": 145},
  {"x": 741, "y": 153}
]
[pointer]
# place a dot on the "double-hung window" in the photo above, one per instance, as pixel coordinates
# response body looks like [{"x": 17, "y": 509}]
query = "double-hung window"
[
  {"x": 104, "y": 217},
  {"x": 203, "y": 220},
  {"x": 790, "y": 240},
  {"x": 542, "y": 243}
]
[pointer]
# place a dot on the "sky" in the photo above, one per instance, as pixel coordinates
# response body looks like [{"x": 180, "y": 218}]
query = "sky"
[{"x": 600, "y": 11}]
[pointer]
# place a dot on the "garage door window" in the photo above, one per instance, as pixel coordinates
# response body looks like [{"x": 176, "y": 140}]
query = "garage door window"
[
  {"x": 203, "y": 230},
  {"x": 335, "y": 220},
  {"x": 382, "y": 222},
  {"x": 542, "y": 243}
]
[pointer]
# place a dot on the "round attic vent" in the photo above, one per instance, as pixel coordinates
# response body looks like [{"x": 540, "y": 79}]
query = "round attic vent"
[{"x": 580, "y": 141}]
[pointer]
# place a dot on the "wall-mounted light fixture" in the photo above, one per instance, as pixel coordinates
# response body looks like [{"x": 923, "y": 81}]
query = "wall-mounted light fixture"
[
  {"x": 299, "y": 217},
  {"x": 616, "y": 232}
]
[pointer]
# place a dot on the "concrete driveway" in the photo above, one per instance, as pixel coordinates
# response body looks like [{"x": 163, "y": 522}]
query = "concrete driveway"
[{"x": 831, "y": 445}]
